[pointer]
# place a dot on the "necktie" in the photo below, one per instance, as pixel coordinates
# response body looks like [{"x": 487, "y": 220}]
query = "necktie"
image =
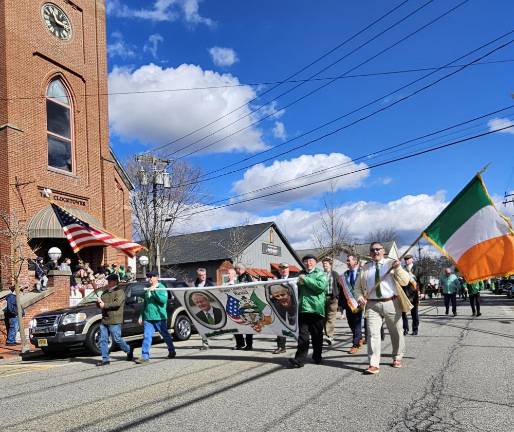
[
  {"x": 377, "y": 281},
  {"x": 210, "y": 319},
  {"x": 352, "y": 278}
]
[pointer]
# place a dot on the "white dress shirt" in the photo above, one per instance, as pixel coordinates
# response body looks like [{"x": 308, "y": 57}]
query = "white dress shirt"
[{"x": 387, "y": 284}]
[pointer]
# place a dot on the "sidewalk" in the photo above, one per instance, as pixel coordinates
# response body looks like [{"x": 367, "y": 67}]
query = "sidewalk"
[{"x": 10, "y": 353}]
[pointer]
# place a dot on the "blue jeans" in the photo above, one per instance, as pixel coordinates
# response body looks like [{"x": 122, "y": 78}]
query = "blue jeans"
[
  {"x": 115, "y": 331},
  {"x": 150, "y": 327},
  {"x": 13, "y": 329}
]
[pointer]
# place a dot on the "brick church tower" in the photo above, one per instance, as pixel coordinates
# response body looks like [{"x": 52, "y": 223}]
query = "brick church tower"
[{"x": 54, "y": 125}]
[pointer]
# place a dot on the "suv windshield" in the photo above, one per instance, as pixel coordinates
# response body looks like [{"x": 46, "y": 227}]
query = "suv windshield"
[{"x": 91, "y": 297}]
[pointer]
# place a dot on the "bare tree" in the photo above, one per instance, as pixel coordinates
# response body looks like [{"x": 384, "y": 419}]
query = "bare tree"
[
  {"x": 382, "y": 235},
  {"x": 333, "y": 235},
  {"x": 15, "y": 233},
  {"x": 236, "y": 243},
  {"x": 156, "y": 205}
]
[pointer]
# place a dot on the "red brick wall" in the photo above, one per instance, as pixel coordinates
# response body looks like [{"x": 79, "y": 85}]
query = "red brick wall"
[
  {"x": 35, "y": 57},
  {"x": 58, "y": 297}
]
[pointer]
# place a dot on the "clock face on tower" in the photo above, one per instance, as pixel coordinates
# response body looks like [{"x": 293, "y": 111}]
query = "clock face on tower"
[{"x": 56, "y": 21}]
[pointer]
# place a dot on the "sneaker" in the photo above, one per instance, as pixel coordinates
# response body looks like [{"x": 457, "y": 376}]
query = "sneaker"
[
  {"x": 204, "y": 348},
  {"x": 141, "y": 360},
  {"x": 103, "y": 363},
  {"x": 239, "y": 347},
  {"x": 295, "y": 363},
  {"x": 172, "y": 354},
  {"x": 130, "y": 354},
  {"x": 397, "y": 364},
  {"x": 329, "y": 340},
  {"x": 372, "y": 370},
  {"x": 354, "y": 350},
  {"x": 279, "y": 351}
]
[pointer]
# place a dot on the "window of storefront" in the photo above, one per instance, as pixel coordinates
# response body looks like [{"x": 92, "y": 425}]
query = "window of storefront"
[{"x": 58, "y": 126}]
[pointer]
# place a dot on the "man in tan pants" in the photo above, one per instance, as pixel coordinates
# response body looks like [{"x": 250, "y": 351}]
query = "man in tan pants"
[
  {"x": 332, "y": 301},
  {"x": 377, "y": 287}
]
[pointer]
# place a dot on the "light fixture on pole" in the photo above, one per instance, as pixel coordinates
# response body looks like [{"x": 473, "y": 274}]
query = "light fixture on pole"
[
  {"x": 143, "y": 260},
  {"x": 54, "y": 253}
]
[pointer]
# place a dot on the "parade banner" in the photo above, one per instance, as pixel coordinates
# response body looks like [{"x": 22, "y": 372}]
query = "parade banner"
[{"x": 266, "y": 307}]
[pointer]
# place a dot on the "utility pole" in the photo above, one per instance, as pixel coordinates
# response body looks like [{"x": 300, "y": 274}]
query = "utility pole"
[{"x": 153, "y": 169}]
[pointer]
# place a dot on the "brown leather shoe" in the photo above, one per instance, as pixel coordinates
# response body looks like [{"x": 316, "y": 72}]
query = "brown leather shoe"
[
  {"x": 372, "y": 370},
  {"x": 354, "y": 350}
]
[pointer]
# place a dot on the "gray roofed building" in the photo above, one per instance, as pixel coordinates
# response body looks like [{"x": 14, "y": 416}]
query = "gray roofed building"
[{"x": 259, "y": 246}]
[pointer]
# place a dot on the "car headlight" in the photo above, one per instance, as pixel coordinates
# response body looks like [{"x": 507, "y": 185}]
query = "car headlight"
[
  {"x": 32, "y": 323},
  {"x": 74, "y": 318}
]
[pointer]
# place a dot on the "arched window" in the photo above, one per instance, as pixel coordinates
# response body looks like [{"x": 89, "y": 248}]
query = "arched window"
[{"x": 58, "y": 126}]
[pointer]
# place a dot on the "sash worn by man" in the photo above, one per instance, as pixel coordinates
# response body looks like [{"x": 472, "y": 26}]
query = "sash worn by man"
[
  {"x": 412, "y": 292},
  {"x": 354, "y": 317},
  {"x": 378, "y": 287}
]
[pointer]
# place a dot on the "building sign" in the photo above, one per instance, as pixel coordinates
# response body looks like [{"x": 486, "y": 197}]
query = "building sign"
[
  {"x": 67, "y": 199},
  {"x": 270, "y": 249}
]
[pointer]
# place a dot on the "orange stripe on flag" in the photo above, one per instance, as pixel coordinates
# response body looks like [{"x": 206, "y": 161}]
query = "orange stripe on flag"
[{"x": 493, "y": 257}]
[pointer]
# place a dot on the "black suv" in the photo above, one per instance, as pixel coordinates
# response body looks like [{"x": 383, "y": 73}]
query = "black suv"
[{"x": 79, "y": 326}]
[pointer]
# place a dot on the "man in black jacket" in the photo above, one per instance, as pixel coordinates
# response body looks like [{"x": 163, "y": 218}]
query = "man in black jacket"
[
  {"x": 242, "y": 277},
  {"x": 200, "y": 282}
]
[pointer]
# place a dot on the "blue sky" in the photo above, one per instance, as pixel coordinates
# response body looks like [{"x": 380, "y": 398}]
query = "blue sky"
[{"x": 169, "y": 44}]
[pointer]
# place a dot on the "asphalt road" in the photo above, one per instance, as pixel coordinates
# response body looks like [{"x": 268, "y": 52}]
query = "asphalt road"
[{"x": 458, "y": 375}]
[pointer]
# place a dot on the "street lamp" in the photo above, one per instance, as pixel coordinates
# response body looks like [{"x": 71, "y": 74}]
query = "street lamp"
[
  {"x": 54, "y": 253},
  {"x": 143, "y": 260}
]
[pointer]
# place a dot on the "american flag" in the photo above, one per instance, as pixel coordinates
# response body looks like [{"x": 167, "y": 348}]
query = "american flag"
[
  {"x": 233, "y": 309},
  {"x": 81, "y": 235}
]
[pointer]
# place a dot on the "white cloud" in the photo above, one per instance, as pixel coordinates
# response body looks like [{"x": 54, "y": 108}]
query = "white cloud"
[
  {"x": 118, "y": 47},
  {"x": 498, "y": 123},
  {"x": 161, "y": 10},
  {"x": 223, "y": 56},
  {"x": 409, "y": 215},
  {"x": 158, "y": 118},
  {"x": 152, "y": 45},
  {"x": 279, "y": 130},
  {"x": 261, "y": 176}
]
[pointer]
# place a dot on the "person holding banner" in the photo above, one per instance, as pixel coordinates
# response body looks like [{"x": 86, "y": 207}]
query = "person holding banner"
[
  {"x": 200, "y": 282},
  {"x": 378, "y": 287},
  {"x": 348, "y": 302},
  {"x": 155, "y": 318},
  {"x": 281, "y": 295},
  {"x": 242, "y": 277},
  {"x": 312, "y": 288}
]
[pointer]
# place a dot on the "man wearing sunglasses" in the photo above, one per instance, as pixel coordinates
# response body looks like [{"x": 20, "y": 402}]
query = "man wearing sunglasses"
[{"x": 377, "y": 287}]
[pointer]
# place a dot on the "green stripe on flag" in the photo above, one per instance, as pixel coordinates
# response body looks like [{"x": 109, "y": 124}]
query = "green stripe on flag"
[{"x": 470, "y": 200}]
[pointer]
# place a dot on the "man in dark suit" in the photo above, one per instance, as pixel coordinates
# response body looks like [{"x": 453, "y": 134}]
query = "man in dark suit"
[
  {"x": 200, "y": 282},
  {"x": 354, "y": 318}
]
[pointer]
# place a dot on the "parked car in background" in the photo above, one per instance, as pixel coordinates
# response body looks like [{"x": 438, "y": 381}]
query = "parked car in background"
[
  {"x": 79, "y": 326},
  {"x": 506, "y": 286}
]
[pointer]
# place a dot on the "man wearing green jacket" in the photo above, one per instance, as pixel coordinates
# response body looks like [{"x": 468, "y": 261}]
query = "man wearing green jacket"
[
  {"x": 155, "y": 318},
  {"x": 474, "y": 296},
  {"x": 312, "y": 288}
]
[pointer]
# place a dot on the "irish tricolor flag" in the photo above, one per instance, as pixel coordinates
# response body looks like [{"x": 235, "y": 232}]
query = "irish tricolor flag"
[{"x": 474, "y": 234}]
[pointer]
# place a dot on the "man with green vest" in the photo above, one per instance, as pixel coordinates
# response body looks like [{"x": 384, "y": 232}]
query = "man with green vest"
[
  {"x": 155, "y": 318},
  {"x": 312, "y": 288}
]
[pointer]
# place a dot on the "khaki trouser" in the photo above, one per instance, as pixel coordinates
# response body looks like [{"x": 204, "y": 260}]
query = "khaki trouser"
[
  {"x": 331, "y": 308},
  {"x": 392, "y": 314}
]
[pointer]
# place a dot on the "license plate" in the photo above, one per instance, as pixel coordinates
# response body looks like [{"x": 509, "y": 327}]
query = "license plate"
[{"x": 42, "y": 343}]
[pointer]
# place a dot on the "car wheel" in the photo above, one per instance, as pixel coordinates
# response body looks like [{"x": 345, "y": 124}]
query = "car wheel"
[
  {"x": 93, "y": 340},
  {"x": 182, "y": 328}
]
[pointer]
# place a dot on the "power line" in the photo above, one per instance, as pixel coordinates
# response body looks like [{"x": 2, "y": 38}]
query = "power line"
[
  {"x": 330, "y": 133},
  {"x": 318, "y": 88},
  {"x": 410, "y": 156},
  {"x": 292, "y": 75},
  {"x": 306, "y": 80},
  {"x": 390, "y": 149}
]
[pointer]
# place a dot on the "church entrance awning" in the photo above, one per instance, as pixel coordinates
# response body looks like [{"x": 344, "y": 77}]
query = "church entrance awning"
[{"x": 45, "y": 224}]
